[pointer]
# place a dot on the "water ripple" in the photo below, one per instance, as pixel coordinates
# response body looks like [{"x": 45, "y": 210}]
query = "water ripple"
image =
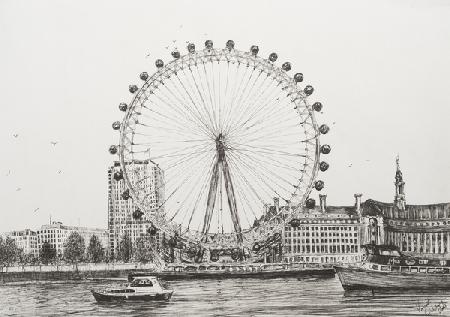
[{"x": 231, "y": 297}]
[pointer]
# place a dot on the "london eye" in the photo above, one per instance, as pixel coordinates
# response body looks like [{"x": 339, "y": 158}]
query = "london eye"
[{"x": 230, "y": 133}]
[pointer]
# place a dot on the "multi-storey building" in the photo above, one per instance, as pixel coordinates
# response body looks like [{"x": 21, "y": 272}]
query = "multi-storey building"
[
  {"x": 56, "y": 234},
  {"x": 418, "y": 230},
  {"x": 325, "y": 234},
  {"x": 120, "y": 211},
  {"x": 26, "y": 240}
]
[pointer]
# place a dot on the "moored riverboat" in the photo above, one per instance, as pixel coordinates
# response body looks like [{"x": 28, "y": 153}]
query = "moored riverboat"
[
  {"x": 243, "y": 270},
  {"x": 384, "y": 267},
  {"x": 141, "y": 288}
]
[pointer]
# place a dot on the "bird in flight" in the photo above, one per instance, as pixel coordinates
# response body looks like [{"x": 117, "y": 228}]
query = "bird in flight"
[
  {"x": 9, "y": 172},
  {"x": 59, "y": 172},
  {"x": 18, "y": 189},
  {"x": 15, "y": 135},
  {"x": 148, "y": 55},
  {"x": 36, "y": 209},
  {"x": 54, "y": 142},
  {"x": 167, "y": 47},
  {"x": 174, "y": 41},
  {"x": 350, "y": 165}
]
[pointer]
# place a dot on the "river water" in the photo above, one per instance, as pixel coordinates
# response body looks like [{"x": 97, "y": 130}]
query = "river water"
[{"x": 231, "y": 297}]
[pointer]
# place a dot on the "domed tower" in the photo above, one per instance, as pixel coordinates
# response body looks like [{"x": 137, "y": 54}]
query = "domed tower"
[{"x": 399, "y": 200}]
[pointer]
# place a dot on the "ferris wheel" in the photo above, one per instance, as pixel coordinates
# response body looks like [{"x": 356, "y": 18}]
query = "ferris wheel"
[{"x": 233, "y": 141}]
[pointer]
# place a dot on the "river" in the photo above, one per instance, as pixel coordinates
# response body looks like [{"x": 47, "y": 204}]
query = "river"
[{"x": 230, "y": 297}]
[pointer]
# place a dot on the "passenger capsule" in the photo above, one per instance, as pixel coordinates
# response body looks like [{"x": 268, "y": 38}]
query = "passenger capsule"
[
  {"x": 132, "y": 88},
  {"x": 230, "y": 45},
  {"x": 235, "y": 254},
  {"x": 191, "y": 48},
  {"x": 319, "y": 185},
  {"x": 172, "y": 242},
  {"x": 323, "y": 166},
  {"x": 295, "y": 223},
  {"x": 159, "y": 63},
  {"x": 273, "y": 57},
  {"x": 256, "y": 247},
  {"x": 176, "y": 54},
  {"x": 324, "y": 129},
  {"x": 113, "y": 149},
  {"x": 137, "y": 214},
  {"x": 118, "y": 176},
  {"x": 126, "y": 194},
  {"x": 123, "y": 106},
  {"x": 214, "y": 256},
  {"x": 143, "y": 76},
  {"x": 310, "y": 203},
  {"x": 325, "y": 149},
  {"x": 254, "y": 50},
  {"x": 308, "y": 90},
  {"x": 317, "y": 106},
  {"x": 152, "y": 230},
  {"x": 298, "y": 77},
  {"x": 209, "y": 44},
  {"x": 286, "y": 66},
  {"x": 116, "y": 125}
]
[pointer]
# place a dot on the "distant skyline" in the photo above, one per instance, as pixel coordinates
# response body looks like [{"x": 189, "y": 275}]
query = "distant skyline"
[{"x": 66, "y": 66}]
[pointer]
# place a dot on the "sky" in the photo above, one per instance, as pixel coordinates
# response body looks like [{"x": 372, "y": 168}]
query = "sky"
[{"x": 381, "y": 70}]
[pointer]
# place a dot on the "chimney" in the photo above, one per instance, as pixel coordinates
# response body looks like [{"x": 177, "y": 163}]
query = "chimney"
[
  {"x": 358, "y": 203},
  {"x": 276, "y": 203},
  {"x": 323, "y": 203}
]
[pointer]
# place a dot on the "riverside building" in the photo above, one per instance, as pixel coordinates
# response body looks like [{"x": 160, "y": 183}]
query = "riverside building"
[
  {"x": 417, "y": 230},
  {"x": 120, "y": 211},
  {"x": 56, "y": 234},
  {"x": 27, "y": 240},
  {"x": 325, "y": 234}
]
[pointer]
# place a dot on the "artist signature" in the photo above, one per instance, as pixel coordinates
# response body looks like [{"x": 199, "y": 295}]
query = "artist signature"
[{"x": 428, "y": 308}]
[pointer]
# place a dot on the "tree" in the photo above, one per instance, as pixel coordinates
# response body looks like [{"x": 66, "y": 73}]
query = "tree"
[
  {"x": 47, "y": 253},
  {"x": 8, "y": 251},
  {"x": 28, "y": 258},
  {"x": 143, "y": 250},
  {"x": 95, "y": 252},
  {"x": 125, "y": 248},
  {"x": 74, "y": 248}
]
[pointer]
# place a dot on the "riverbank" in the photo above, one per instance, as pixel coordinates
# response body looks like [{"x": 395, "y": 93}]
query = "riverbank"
[{"x": 69, "y": 272}]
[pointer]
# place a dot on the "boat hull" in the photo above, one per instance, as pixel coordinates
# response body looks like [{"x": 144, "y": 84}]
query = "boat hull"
[
  {"x": 105, "y": 297},
  {"x": 356, "y": 278}
]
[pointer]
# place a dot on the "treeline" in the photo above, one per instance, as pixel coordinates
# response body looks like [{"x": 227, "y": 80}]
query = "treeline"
[{"x": 75, "y": 251}]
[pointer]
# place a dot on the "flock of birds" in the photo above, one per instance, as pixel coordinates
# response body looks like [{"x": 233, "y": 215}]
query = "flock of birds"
[
  {"x": 18, "y": 189},
  {"x": 173, "y": 43}
]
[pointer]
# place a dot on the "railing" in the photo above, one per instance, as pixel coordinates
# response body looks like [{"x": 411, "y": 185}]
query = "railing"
[
  {"x": 408, "y": 269},
  {"x": 249, "y": 267},
  {"x": 81, "y": 267}
]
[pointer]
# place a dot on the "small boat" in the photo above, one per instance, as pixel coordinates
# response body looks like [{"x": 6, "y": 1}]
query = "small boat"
[
  {"x": 384, "y": 267},
  {"x": 142, "y": 288}
]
